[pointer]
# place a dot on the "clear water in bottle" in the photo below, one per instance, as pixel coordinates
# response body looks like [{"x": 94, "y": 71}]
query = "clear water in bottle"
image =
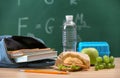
[{"x": 69, "y": 34}]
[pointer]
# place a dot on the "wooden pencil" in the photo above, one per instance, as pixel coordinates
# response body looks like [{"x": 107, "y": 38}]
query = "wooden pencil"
[{"x": 44, "y": 71}]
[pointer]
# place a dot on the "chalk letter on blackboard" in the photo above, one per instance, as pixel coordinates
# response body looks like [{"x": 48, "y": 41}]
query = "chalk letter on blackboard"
[
  {"x": 49, "y": 2},
  {"x": 18, "y": 2},
  {"x": 73, "y": 2},
  {"x": 83, "y": 24},
  {"x": 38, "y": 26},
  {"x": 49, "y": 29},
  {"x": 20, "y": 25},
  {"x": 30, "y": 34}
]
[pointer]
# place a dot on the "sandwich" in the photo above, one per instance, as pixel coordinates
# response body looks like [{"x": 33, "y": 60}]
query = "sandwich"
[{"x": 72, "y": 61}]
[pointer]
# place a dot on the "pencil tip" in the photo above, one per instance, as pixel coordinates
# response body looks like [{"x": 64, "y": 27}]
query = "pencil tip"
[{"x": 22, "y": 70}]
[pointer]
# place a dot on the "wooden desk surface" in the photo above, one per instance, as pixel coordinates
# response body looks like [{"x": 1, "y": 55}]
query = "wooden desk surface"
[{"x": 91, "y": 73}]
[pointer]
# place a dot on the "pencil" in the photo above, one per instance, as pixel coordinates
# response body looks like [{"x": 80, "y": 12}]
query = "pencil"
[{"x": 44, "y": 71}]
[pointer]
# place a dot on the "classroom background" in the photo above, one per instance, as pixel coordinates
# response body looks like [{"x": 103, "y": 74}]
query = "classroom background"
[{"x": 96, "y": 20}]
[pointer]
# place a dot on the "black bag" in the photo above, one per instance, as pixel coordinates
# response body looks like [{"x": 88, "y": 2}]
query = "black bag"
[{"x": 10, "y": 43}]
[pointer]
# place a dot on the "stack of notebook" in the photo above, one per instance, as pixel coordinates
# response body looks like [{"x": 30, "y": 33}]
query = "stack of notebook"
[{"x": 27, "y": 55}]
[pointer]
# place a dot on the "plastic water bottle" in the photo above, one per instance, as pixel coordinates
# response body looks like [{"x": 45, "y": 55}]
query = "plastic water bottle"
[{"x": 69, "y": 35}]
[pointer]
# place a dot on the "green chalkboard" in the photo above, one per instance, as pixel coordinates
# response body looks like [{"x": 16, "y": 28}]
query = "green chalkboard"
[{"x": 96, "y": 20}]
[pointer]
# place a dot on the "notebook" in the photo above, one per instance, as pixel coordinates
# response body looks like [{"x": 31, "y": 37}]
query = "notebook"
[{"x": 28, "y": 55}]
